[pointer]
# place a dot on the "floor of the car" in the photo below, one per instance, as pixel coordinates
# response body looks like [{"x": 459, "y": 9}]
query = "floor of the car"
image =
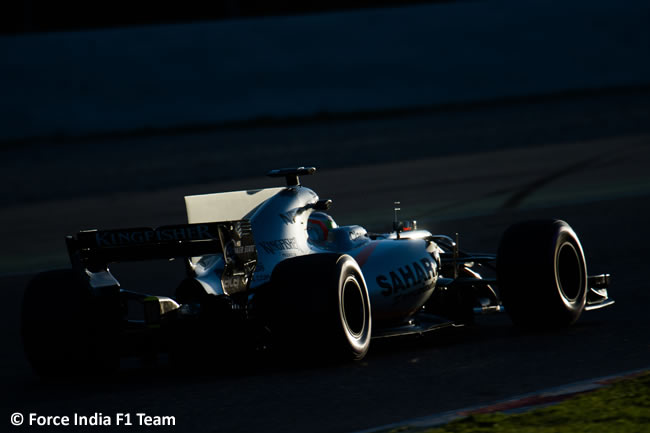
[{"x": 418, "y": 324}]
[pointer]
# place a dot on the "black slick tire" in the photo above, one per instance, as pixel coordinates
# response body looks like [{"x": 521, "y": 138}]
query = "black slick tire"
[
  {"x": 320, "y": 308},
  {"x": 542, "y": 274},
  {"x": 65, "y": 332}
]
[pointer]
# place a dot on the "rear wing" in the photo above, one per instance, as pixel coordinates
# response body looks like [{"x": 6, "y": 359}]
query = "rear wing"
[
  {"x": 95, "y": 249},
  {"x": 226, "y": 206}
]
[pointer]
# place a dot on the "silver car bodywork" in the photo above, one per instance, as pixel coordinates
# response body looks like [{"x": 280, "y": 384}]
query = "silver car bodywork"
[{"x": 400, "y": 273}]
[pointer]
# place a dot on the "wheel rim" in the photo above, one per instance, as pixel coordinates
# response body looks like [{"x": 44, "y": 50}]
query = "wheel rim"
[
  {"x": 569, "y": 272},
  {"x": 354, "y": 311}
]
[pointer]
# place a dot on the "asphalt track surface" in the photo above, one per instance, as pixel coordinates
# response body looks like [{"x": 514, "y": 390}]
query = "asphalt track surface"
[{"x": 595, "y": 177}]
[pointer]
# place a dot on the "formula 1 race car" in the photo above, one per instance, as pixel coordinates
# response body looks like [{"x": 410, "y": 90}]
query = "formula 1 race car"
[{"x": 270, "y": 270}]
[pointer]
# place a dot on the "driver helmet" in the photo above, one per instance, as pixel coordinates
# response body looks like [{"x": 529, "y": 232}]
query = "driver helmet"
[{"x": 319, "y": 225}]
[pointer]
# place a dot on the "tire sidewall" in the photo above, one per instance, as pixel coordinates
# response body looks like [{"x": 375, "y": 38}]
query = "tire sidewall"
[
  {"x": 349, "y": 272},
  {"x": 571, "y": 306}
]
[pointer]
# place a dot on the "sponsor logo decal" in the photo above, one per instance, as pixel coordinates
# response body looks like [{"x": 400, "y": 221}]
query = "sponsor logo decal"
[
  {"x": 407, "y": 276},
  {"x": 164, "y": 234},
  {"x": 272, "y": 247},
  {"x": 245, "y": 249}
]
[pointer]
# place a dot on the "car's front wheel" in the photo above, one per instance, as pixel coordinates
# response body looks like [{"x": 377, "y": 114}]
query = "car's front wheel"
[{"x": 542, "y": 274}]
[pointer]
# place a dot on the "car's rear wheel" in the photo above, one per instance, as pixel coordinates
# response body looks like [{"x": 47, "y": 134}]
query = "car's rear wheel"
[
  {"x": 320, "y": 307},
  {"x": 542, "y": 274},
  {"x": 65, "y": 332}
]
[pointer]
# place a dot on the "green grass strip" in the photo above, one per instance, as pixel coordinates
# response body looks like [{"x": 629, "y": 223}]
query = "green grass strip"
[{"x": 622, "y": 407}]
